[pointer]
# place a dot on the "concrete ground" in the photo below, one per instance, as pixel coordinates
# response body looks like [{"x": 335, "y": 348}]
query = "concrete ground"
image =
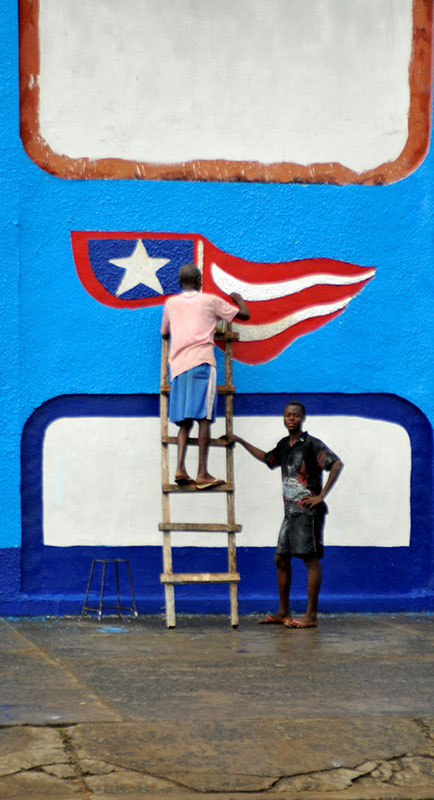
[{"x": 127, "y": 709}]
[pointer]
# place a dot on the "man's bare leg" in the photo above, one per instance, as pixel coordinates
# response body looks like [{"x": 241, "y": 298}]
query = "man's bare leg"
[
  {"x": 184, "y": 430},
  {"x": 202, "y": 470},
  {"x": 314, "y": 574},
  {"x": 283, "y": 614},
  {"x": 204, "y": 480}
]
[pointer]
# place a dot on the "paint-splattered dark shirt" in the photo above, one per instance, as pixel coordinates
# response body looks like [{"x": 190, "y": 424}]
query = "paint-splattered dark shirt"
[{"x": 302, "y": 466}]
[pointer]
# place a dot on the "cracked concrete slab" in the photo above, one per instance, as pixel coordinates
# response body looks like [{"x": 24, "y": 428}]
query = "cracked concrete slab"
[
  {"x": 230, "y": 756},
  {"x": 34, "y": 763},
  {"x": 204, "y": 711},
  {"x": 38, "y": 786},
  {"x": 23, "y": 748},
  {"x": 122, "y": 782}
]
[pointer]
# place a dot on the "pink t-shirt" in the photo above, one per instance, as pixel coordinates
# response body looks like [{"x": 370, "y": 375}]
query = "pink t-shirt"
[{"x": 191, "y": 318}]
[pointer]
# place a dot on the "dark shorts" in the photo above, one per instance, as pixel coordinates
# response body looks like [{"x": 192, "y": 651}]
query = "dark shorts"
[{"x": 301, "y": 536}]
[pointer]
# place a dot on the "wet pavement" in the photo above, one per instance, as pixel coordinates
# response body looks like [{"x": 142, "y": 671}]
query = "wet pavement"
[{"x": 126, "y": 708}]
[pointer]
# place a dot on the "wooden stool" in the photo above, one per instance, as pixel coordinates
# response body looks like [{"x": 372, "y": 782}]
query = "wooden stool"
[{"x": 118, "y": 607}]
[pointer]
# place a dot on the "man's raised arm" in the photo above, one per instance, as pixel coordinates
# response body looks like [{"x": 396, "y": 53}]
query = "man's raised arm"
[{"x": 244, "y": 312}]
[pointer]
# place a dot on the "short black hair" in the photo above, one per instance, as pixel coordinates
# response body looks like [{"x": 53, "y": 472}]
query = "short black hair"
[
  {"x": 189, "y": 274},
  {"x": 296, "y": 403}
]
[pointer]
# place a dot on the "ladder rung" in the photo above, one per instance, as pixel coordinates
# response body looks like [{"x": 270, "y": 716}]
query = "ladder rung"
[
  {"x": 201, "y": 577},
  {"x": 173, "y": 487},
  {"x": 199, "y": 526},
  {"x": 195, "y": 441},
  {"x": 221, "y": 388},
  {"x": 228, "y": 335}
]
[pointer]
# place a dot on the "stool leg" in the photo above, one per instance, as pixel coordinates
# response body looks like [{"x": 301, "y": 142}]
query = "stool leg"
[
  {"x": 117, "y": 589},
  {"x": 102, "y": 592},
  {"x": 88, "y": 589},
  {"x": 127, "y": 564}
]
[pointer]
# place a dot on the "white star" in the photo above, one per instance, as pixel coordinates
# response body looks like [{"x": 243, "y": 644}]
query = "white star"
[{"x": 139, "y": 268}]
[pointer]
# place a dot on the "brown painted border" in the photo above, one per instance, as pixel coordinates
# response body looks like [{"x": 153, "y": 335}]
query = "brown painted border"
[{"x": 415, "y": 150}]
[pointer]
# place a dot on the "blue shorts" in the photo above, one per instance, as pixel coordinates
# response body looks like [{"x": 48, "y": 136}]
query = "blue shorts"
[{"x": 193, "y": 394}]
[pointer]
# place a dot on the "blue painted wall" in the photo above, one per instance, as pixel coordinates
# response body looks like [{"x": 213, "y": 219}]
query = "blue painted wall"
[
  {"x": 58, "y": 341},
  {"x": 356, "y": 578}
]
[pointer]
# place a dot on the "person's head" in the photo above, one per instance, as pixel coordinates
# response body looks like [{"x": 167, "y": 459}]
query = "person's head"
[
  {"x": 293, "y": 416},
  {"x": 190, "y": 277}
]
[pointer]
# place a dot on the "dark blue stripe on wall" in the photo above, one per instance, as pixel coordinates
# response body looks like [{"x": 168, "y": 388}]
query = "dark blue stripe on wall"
[{"x": 355, "y": 578}]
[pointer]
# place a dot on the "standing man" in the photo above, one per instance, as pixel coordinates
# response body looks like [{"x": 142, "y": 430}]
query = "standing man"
[
  {"x": 190, "y": 319},
  {"x": 302, "y": 459}
]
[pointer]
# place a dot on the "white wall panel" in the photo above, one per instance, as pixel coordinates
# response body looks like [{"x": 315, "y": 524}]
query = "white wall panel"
[
  {"x": 102, "y": 483},
  {"x": 272, "y": 81}
]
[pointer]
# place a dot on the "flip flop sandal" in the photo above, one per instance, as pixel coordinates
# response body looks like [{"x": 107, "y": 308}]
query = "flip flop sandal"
[
  {"x": 297, "y": 623},
  {"x": 210, "y": 484},
  {"x": 184, "y": 481}
]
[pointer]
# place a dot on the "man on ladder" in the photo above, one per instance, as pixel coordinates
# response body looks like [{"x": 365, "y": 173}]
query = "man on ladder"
[{"x": 190, "y": 319}]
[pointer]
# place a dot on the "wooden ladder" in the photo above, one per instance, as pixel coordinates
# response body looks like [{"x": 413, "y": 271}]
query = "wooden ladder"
[{"x": 168, "y": 577}]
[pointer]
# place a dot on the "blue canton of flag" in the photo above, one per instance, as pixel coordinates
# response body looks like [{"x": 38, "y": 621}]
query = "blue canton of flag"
[{"x": 132, "y": 269}]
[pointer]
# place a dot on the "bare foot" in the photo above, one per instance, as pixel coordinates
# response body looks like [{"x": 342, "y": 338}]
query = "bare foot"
[
  {"x": 276, "y": 619},
  {"x": 304, "y": 622},
  {"x": 182, "y": 479},
  {"x": 204, "y": 477}
]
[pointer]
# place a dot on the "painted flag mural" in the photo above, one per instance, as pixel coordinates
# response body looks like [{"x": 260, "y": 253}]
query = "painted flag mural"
[{"x": 286, "y": 299}]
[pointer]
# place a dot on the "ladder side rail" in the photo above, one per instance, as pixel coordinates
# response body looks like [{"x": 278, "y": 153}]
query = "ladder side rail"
[
  {"x": 164, "y": 422},
  {"x": 169, "y": 590},
  {"x": 230, "y": 497}
]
